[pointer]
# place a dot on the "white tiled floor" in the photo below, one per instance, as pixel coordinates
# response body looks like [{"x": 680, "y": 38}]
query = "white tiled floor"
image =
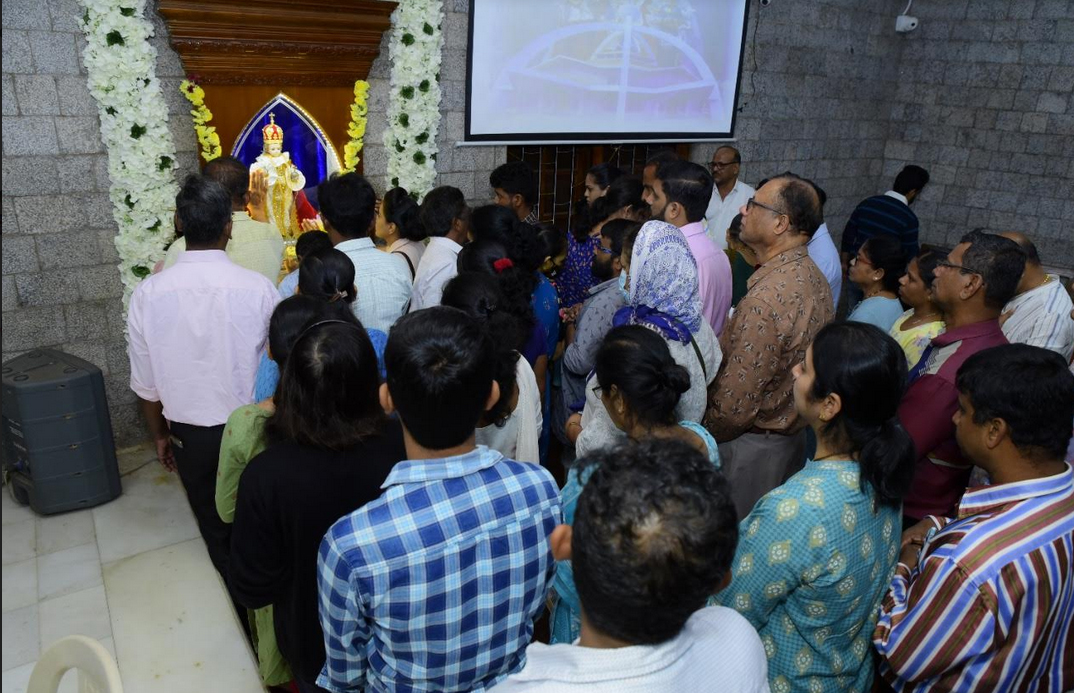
[{"x": 133, "y": 574}]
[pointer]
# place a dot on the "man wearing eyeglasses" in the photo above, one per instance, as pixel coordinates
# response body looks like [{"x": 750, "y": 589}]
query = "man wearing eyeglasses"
[
  {"x": 728, "y": 193},
  {"x": 751, "y": 402},
  {"x": 971, "y": 287}
]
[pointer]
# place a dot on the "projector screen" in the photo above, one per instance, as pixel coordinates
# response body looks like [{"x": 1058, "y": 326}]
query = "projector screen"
[{"x": 599, "y": 70}]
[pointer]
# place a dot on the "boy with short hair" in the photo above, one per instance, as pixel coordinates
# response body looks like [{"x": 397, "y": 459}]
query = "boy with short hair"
[
  {"x": 514, "y": 185},
  {"x": 654, "y": 535},
  {"x": 436, "y": 584}
]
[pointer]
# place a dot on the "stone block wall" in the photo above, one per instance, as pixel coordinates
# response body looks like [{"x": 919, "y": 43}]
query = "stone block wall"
[
  {"x": 61, "y": 287},
  {"x": 815, "y": 97},
  {"x": 985, "y": 102}
]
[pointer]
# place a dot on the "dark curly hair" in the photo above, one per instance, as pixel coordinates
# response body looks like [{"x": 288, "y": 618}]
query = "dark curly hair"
[{"x": 654, "y": 534}]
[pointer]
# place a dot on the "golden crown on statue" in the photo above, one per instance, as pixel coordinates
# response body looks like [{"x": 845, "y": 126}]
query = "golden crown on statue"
[{"x": 272, "y": 132}]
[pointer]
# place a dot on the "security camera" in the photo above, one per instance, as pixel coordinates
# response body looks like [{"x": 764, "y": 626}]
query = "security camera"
[
  {"x": 766, "y": 3},
  {"x": 904, "y": 23}
]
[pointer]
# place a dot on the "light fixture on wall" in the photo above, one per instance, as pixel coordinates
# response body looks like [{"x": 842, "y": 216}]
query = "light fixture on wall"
[{"x": 904, "y": 23}]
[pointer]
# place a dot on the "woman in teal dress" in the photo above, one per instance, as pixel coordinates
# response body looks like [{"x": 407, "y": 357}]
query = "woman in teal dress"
[
  {"x": 640, "y": 385},
  {"x": 815, "y": 556}
]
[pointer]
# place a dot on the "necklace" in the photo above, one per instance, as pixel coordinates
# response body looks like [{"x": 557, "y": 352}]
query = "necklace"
[
  {"x": 834, "y": 454},
  {"x": 922, "y": 318}
]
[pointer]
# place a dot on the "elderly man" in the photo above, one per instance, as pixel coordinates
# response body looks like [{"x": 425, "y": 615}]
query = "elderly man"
[
  {"x": 728, "y": 193},
  {"x": 1039, "y": 314},
  {"x": 751, "y": 402}
]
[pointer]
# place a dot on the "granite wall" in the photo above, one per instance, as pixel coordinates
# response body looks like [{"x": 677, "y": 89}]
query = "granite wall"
[{"x": 61, "y": 287}]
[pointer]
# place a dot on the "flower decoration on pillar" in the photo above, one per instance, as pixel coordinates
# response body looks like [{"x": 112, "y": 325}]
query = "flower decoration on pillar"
[
  {"x": 121, "y": 63},
  {"x": 207, "y": 137}
]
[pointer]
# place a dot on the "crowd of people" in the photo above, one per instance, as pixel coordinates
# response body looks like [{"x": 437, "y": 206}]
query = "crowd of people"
[{"x": 460, "y": 450}]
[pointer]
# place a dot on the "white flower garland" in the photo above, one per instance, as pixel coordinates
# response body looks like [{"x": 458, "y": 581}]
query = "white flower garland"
[
  {"x": 134, "y": 126},
  {"x": 414, "y": 100}
]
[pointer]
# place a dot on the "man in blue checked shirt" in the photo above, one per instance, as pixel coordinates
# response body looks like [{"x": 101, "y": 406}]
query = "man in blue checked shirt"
[{"x": 435, "y": 585}]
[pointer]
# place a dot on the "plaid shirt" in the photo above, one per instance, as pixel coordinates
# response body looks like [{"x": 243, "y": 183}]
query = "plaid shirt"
[{"x": 435, "y": 585}]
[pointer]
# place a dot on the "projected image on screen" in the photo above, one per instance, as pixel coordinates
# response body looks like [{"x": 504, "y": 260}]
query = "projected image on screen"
[{"x": 603, "y": 69}]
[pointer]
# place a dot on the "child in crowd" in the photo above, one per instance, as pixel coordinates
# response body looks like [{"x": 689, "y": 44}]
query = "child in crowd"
[
  {"x": 653, "y": 538},
  {"x": 435, "y": 585},
  {"x": 307, "y": 244}
]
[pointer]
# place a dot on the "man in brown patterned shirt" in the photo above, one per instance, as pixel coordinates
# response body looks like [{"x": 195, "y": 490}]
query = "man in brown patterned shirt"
[{"x": 751, "y": 402}]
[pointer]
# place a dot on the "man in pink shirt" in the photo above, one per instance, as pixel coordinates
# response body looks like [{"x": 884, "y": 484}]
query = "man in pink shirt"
[
  {"x": 680, "y": 195},
  {"x": 196, "y": 332}
]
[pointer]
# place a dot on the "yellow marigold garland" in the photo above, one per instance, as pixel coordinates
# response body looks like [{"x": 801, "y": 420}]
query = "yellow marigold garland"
[
  {"x": 207, "y": 137},
  {"x": 356, "y": 129}
]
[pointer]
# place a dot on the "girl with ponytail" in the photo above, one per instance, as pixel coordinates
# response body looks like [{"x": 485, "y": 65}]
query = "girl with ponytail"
[
  {"x": 815, "y": 555},
  {"x": 328, "y": 275},
  {"x": 639, "y": 384},
  {"x": 513, "y": 424}
]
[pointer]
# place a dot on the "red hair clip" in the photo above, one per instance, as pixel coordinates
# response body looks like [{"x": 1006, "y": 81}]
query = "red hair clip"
[{"x": 502, "y": 264}]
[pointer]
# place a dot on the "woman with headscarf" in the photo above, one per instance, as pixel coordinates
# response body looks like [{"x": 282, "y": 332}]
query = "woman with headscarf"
[{"x": 663, "y": 296}]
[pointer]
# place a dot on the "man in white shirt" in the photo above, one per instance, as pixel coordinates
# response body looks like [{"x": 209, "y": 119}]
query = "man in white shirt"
[
  {"x": 653, "y": 537},
  {"x": 196, "y": 332},
  {"x": 348, "y": 206},
  {"x": 1039, "y": 314},
  {"x": 446, "y": 219},
  {"x": 254, "y": 245},
  {"x": 822, "y": 251},
  {"x": 728, "y": 193}
]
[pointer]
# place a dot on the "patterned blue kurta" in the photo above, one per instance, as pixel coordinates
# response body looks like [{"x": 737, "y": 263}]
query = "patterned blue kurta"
[{"x": 813, "y": 562}]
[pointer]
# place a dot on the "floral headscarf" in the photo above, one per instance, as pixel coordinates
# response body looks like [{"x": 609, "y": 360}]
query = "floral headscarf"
[{"x": 664, "y": 292}]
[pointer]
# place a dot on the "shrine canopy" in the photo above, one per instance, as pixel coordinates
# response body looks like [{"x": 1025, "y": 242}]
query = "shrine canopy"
[{"x": 303, "y": 138}]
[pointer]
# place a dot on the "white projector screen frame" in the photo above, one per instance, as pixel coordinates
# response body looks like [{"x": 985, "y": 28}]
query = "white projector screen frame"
[{"x": 534, "y": 60}]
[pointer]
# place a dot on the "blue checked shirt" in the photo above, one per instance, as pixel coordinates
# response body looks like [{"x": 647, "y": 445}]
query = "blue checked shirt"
[{"x": 435, "y": 585}]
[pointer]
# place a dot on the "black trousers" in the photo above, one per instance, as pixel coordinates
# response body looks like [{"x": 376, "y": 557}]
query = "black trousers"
[
  {"x": 308, "y": 687},
  {"x": 197, "y": 456}
]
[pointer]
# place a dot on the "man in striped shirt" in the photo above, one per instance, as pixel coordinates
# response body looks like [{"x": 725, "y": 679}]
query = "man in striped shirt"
[
  {"x": 985, "y": 601},
  {"x": 1039, "y": 314}
]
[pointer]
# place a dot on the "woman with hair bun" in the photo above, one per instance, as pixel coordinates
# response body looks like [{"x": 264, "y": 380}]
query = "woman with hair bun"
[
  {"x": 400, "y": 227},
  {"x": 815, "y": 555},
  {"x": 640, "y": 385}
]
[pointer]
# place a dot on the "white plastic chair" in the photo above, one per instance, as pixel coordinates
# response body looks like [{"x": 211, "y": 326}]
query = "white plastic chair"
[{"x": 97, "y": 671}]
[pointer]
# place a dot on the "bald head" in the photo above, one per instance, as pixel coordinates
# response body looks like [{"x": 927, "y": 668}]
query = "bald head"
[
  {"x": 1032, "y": 256},
  {"x": 730, "y": 150},
  {"x": 725, "y": 166}
]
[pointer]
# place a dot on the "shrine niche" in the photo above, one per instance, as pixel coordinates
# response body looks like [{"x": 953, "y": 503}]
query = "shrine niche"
[
  {"x": 290, "y": 147},
  {"x": 245, "y": 55}
]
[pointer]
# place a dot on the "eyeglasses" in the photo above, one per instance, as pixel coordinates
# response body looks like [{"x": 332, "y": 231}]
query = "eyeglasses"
[
  {"x": 717, "y": 165},
  {"x": 960, "y": 268},
  {"x": 752, "y": 202},
  {"x": 601, "y": 249},
  {"x": 859, "y": 258}
]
